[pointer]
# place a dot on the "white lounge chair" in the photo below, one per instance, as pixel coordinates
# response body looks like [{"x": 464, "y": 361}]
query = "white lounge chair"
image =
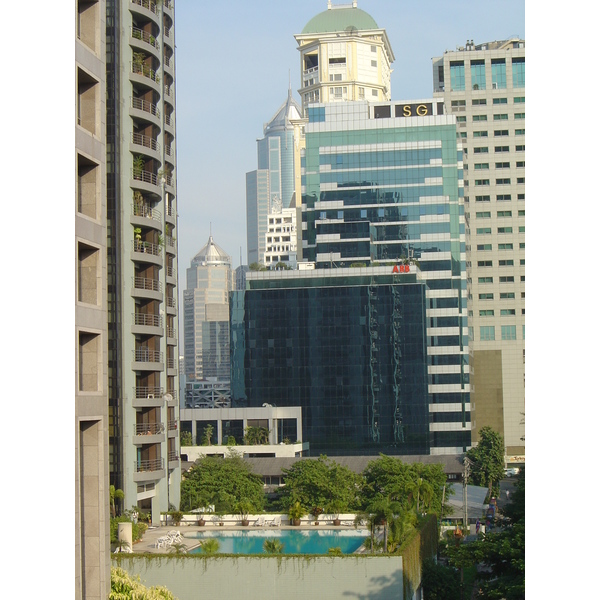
[
  {"x": 260, "y": 522},
  {"x": 163, "y": 542},
  {"x": 174, "y": 536},
  {"x": 276, "y": 522}
]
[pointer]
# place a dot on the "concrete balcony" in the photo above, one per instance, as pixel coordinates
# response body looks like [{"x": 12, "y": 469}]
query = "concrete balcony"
[
  {"x": 147, "y": 252},
  {"x": 147, "y": 8},
  {"x": 148, "y": 433},
  {"x": 145, "y": 359},
  {"x": 146, "y": 111},
  {"x": 148, "y": 470},
  {"x": 144, "y": 324},
  {"x": 147, "y": 397}
]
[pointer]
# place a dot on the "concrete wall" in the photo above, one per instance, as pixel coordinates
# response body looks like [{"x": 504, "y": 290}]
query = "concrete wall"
[{"x": 271, "y": 578}]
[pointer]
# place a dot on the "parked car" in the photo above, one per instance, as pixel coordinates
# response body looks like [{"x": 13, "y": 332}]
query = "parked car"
[{"x": 512, "y": 472}]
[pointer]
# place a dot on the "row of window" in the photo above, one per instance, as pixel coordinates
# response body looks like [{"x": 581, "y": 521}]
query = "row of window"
[
  {"x": 508, "y": 246},
  {"x": 487, "y": 333},
  {"x": 483, "y": 101},
  {"x": 499, "y": 181},
  {"x": 499, "y": 198},
  {"x": 497, "y": 117},
  {"x": 503, "y": 296},
  {"x": 488, "y": 230},
  {"x": 520, "y": 164},
  {"x": 497, "y": 133},
  {"x": 478, "y": 78},
  {"x": 497, "y": 149},
  {"x": 487, "y": 214},
  {"x": 490, "y": 295}
]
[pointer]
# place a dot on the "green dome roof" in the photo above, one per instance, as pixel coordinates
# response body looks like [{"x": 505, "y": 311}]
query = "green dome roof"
[{"x": 340, "y": 19}]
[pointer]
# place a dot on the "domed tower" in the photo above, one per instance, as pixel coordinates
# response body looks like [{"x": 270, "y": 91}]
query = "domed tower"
[{"x": 344, "y": 55}]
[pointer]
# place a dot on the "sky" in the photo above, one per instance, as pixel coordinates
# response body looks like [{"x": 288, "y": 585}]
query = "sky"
[{"x": 234, "y": 64}]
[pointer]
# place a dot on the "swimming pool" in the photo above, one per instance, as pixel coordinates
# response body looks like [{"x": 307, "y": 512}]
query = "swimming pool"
[{"x": 295, "y": 541}]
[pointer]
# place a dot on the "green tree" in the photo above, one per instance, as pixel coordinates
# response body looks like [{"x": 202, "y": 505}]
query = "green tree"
[
  {"x": 256, "y": 435},
  {"x": 185, "y": 438},
  {"x": 125, "y": 587},
  {"x": 488, "y": 460},
  {"x": 207, "y": 434},
  {"x": 115, "y": 495},
  {"x": 273, "y": 546},
  {"x": 210, "y": 546},
  {"x": 222, "y": 482},
  {"x": 440, "y": 582}
]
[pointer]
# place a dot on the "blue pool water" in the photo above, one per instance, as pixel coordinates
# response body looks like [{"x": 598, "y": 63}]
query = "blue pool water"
[{"x": 295, "y": 541}]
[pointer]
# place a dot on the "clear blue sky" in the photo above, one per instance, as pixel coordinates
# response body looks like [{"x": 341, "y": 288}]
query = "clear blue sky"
[{"x": 234, "y": 62}]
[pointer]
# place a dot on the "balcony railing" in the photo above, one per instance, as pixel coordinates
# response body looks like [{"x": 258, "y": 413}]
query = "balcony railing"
[
  {"x": 168, "y": 120},
  {"x": 145, "y": 71},
  {"x": 168, "y": 150},
  {"x": 172, "y": 425},
  {"x": 171, "y": 210},
  {"x": 147, "y": 5},
  {"x": 167, "y": 33},
  {"x": 171, "y": 364},
  {"x": 155, "y": 464},
  {"x": 170, "y": 271},
  {"x": 140, "y": 104},
  {"x": 144, "y": 140},
  {"x": 147, "y": 320},
  {"x": 148, "y": 428},
  {"x": 170, "y": 241},
  {"x": 171, "y": 303},
  {"x": 140, "y": 34},
  {"x": 143, "y": 210},
  {"x": 173, "y": 393},
  {"x": 168, "y": 90},
  {"x": 146, "y": 355},
  {"x": 145, "y": 176},
  {"x": 144, "y": 283},
  {"x": 173, "y": 456},
  {"x": 148, "y": 392},
  {"x": 146, "y": 248},
  {"x": 171, "y": 332}
]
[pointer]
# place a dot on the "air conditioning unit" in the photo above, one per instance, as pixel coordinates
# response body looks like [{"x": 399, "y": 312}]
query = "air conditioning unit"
[{"x": 494, "y": 86}]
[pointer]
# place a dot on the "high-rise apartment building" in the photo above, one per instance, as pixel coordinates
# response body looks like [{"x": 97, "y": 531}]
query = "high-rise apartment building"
[
  {"x": 142, "y": 253},
  {"x": 276, "y": 181},
  {"x": 344, "y": 56},
  {"x": 92, "y": 542},
  {"x": 483, "y": 85},
  {"x": 281, "y": 237},
  {"x": 209, "y": 280}
]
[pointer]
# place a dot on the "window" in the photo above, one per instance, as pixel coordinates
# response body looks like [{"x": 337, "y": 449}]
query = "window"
[
  {"x": 520, "y": 179},
  {"x": 498, "y": 74},
  {"x": 522, "y": 229},
  {"x": 373, "y": 48},
  {"x": 456, "y": 103},
  {"x": 484, "y": 230},
  {"x": 487, "y": 333},
  {"x": 361, "y": 93},
  {"x": 522, "y": 213},
  {"x": 518, "y": 71},
  {"x": 520, "y": 196},
  {"x": 507, "y": 295},
  {"x": 509, "y": 262},
  {"x": 523, "y": 278},
  {"x": 521, "y": 245},
  {"x": 479, "y": 118},
  {"x": 373, "y": 63},
  {"x": 88, "y": 191},
  {"x": 520, "y": 148},
  {"x": 486, "y": 296},
  {"x": 483, "y": 215},
  {"x": 486, "y": 313},
  {"x": 504, "y": 181},
  {"x": 373, "y": 92},
  {"x": 479, "y": 102},
  {"x": 501, "y": 133},
  {"x": 485, "y": 280},
  {"x": 504, "y": 213},
  {"x": 503, "y": 197},
  {"x": 519, "y": 115},
  {"x": 501, "y": 149},
  {"x": 482, "y": 247},
  {"x": 520, "y": 164},
  {"x": 522, "y": 262},
  {"x": 501, "y": 117},
  {"x": 502, "y": 165},
  {"x": 457, "y": 76},
  {"x": 508, "y": 246},
  {"x": 482, "y": 198},
  {"x": 507, "y": 312},
  {"x": 519, "y": 100},
  {"x": 483, "y": 150},
  {"x": 484, "y": 263},
  {"x": 507, "y": 279},
  {"x": 509, "y": 332},
  {"x": 88, "y": 101},
  {"x": 481, "y": 166},
  {"x": 88, "y": 263},
  {"x": 478, "y": 74},
  {"x": 461, "y": 119},
  {"x": 500, "y": 101},
  {"x": 482, "y": 182},
  {"x": 519, "y": 132},
  {"x": 504, "y": 229},
  {"x": 480, "y": 134}
]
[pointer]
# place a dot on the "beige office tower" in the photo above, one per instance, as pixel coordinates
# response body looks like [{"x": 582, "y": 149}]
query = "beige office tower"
[
  {"x": 483, "y": 85},
  {"x": 92, "y": 540},
  {"x": 344, "y": 56}
]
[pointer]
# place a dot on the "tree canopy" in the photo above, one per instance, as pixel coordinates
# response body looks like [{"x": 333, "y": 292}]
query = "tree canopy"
[
  {"x": 223, "y": 482},
  {"x": 488, "y": 460}
]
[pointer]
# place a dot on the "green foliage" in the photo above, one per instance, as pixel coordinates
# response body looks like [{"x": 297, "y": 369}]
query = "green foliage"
[
  {"x": 125, "y": 587},
  {"x": 176, "y": 515},
  {"x": 296, "y": 511},
  {"x": 207, "y": 434},
  {"x": 185, "y": 438},
  {"x": 256, "y": 436},
  {"x": 336, "y": 551},
  {"x": 317, "y": 483},
  {"x": 115, "y": 495},
  {"x": 231, "y": 440},
  {"x": 137, "y": 529},
  {"x": 210, "y": 546},
  {"x": 488, "y": 459},
  {"x": 273, "y": 546},
  {"x": 256, "y": 266},
  {"x": 244, "y": 508},
  {"x": 222, "y": 482},
  {"x": 440, "y": 582}
]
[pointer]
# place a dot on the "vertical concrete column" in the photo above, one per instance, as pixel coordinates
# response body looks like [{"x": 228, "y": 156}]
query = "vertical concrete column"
[
  {"x": 219, "y": 432},
  {"x": 125, "y": 534}
]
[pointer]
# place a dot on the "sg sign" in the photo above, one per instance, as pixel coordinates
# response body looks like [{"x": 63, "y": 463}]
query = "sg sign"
[{"x": 414, "y": 110}]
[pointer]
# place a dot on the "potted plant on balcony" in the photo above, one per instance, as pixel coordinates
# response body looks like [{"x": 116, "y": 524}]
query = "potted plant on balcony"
[
  {"x": 295, "y": 513},
  {"x": 335, "y": 507},
  {"x": 245, "y": 507}
]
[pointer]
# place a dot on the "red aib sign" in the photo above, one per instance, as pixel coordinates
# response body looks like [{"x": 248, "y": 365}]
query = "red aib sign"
[{"x": 401, "y": 269}]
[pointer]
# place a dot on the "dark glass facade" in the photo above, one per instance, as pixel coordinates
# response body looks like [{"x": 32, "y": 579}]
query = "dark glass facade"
[{"x": 350, "y": 350}]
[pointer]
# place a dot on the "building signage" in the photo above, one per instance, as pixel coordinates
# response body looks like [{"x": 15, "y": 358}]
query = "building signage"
[
  {"x": 401, "y": 269},
  {"x": 414, "y": 110}
]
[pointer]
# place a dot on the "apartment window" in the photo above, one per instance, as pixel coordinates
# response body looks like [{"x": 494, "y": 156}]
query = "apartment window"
[
  {"x": 484, "y": 263},
  {"x": 361, "y": 93},
  {"x": 501, "y": 133},
  {"x": 521, "y": 213},
  {"x": 504, "y": 229},
  {"x": 485, "y": 280},
  {"x": 521, "y": 180},
  {"x": 522, "y": 246},
  {"x": 503, "y": 197},
  {"x": 484, "y": 230},
  {"x": 519, "y": 132},
  {"x": 479, "y": 102},
  {"x": 480, "y": 134},
  {"x": 89, "y": 361},
  {"x": 374, "y": 93},
  {"x": 507, "y": 295},
  {"x": 481, "y": 166},
  {"x": 522, "y": 262},
  {"x": 518, "y": 71},
  {"x": 88, "y": 191},
  {"x": 481, "y": 150},
  {"x": 88, "y": 265},
  {"x": 503, "y": 181},
  {"x": 335, "y": 77},
  {"x": 487, "y": 333},
  {"x": 507, "y": 279},
  {"x": 373, "y": 48},
  {"x": 479, "y": 118},
  {"x": 483, "y": 215},
  {"x": 502, "y": 165},
  {"x": 457, "y": 76},
  {"x": 500, "y": 149},
  {"x": 486, "y": 313},
  {"x": 509, "y": 262},
  {"x": 501, "y": 117},
  {"x": 507, "y": 312},
  {"x": 373, "y": 63},
  {"x": 482, "y": 198},
  {"x": 488, "y": 296},
  {"x": 461, "y": 119},
  {"x": 508, "y": 246},
  {"x": 522, "y": 278},
  {"x": 519, "y": 115},
  {"x": 522, "y": 229},
  {"x": 482, "y": 182},
  {"x": 504, "y": 213},
  {"x": 478, "y": 74},
  {"x": 509, "y": 332},
  {"x": 458, "y": 103},
  {"x": 462, "y": 135},
  {"x": 483, "y": 247},
  {"x": 520, "y": 148},
  {"x": 88, "y": 101},
  {"x": 519, "y": 100},
  {"x": 500, "y": 101},
  {"x": 520, "y": 196}
]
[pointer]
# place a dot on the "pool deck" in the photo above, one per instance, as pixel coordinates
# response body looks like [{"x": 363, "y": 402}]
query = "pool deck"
[{"x": 148, "y": 542}]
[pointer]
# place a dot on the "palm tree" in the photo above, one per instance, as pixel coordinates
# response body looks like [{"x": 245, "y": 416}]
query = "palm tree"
[
  {"x": 421, "y": 488},
  {"x": 274, "y": 546},
  {"x": 178, "y": 548},
  {"x": 115, "y": 494},
  {"x": 210, "y": 546},
  {"x": 382, "y": 513}
]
